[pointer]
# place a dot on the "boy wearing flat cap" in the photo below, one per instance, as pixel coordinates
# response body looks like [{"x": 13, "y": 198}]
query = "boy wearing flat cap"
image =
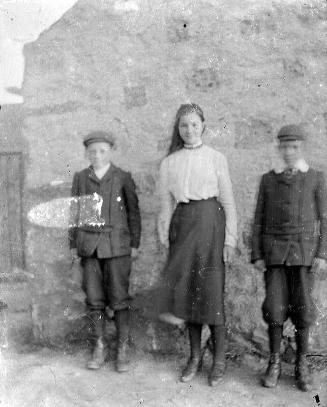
[
  {"x": 106, "y": 250},
  {"x": 290, "y": 246}
]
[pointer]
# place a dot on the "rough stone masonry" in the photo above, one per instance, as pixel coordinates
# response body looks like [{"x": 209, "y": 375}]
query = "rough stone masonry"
[{"x": 126, "y": 66}]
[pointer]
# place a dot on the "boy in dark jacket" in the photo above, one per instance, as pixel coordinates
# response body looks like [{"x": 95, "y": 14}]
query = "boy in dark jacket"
[
  {"x": 290, "y": 246},
  {"x": 106, "y": 249}
]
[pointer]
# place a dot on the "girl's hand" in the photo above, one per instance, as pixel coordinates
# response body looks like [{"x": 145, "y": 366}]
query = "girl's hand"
[
  {"x": 228, "y": 254},
  {"x": 162, "y": 235},
  {"x": 134, "y": 253},
  {"x": 260, "y": 265}
]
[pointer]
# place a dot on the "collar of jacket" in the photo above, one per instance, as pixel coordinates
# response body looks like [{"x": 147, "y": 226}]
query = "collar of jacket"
[
  {"x": 106, "y": 176},
  {"x": 300, "y": 165}
]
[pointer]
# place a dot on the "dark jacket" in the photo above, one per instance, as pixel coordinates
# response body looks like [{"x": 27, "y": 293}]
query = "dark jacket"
[
  {"x": 290, "y": 224},
  {"x": 120, "y": 211}
]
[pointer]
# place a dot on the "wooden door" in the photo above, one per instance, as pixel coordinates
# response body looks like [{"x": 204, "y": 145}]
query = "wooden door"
[{"x": 11, "y": 225}]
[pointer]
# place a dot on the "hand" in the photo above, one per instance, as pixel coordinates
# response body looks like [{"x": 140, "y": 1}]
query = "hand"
[
  {"x": 134, "y": 252},
  {"x": 228, "y": 254},
  {"x": 163, "y": 238},
  {"x": 260, "y": 265},
  {"x": 318, "y": 265},
  {"x": 74, "y": 255}
]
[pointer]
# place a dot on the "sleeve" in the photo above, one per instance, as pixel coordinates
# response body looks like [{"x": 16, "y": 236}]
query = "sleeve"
[
  {"x": 73, "y": 212},
  {"x": 133, "y": 211},
  {"x": 167, "y": 203},
  {"x": 321, "y": 202},
  {"x": 257, "y": 251},
  {"x": 226, "y": 198}
]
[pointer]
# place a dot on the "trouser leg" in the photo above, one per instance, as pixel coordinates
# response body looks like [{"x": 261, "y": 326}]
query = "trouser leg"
[
  {"x": 275, "y": 333},
  {"x": 122, "y": 327},
  {"x": 96, "y": 302},
  {"x": 275, "y": 312},
  {"x": 303, "y": 315},
  {"x": 302, "y": 372}
]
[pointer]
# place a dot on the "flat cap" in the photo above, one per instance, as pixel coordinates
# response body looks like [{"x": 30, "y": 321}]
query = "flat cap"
[
  {"x": 291, "y": 132},
  {"x": 99, "y": 136}
]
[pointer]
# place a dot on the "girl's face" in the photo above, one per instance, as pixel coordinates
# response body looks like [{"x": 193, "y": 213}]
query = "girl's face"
[
  {"x": 98, "y": 154},
  {"x": 190, "y": 128}
]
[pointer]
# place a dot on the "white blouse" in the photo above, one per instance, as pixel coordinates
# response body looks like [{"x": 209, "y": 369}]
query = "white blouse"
[{"x": 195, "y": 174}]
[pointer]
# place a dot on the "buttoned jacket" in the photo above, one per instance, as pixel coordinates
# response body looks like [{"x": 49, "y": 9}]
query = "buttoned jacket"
[
  {"x": 290, "y": 224},
  {"x": 120, "y": 212}
]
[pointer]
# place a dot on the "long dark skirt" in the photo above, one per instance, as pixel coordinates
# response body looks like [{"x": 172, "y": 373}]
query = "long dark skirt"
[{"x": 194, "y": 276}]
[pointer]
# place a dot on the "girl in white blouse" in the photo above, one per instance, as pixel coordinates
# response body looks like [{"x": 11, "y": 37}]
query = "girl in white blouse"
[{"x": 198, "y": 223}]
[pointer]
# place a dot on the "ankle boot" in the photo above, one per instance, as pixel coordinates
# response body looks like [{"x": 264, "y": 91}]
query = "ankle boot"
[
  {"x": 273, "y": 371},
  {"x": 98, "y": 355},
  {"x": 191, "y": 369},
  {"x": 122, "y": 326},
  {"x": 302, "y": 374},
  {"x": 217, "y": 373},
  {"x": 100, "y": 350},
  {"x": 193, "y": 363},
  {"x": 122, "y": 361},
  {"x": 218, "y": 333}
]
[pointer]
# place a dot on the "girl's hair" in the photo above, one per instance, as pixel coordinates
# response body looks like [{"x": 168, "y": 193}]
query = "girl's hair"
[{"x": 176, "y": 140}]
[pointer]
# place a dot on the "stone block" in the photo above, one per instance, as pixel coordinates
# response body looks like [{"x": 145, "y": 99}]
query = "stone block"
[
  {"x": 250, "y": 26},
  {"x": 203, "y": 80},
  {"x": 294, "y": 68},
  {"x": 135, "y": 96},
  {"x": 178, "y": 30},
  {"x": 251, "y": 133}
]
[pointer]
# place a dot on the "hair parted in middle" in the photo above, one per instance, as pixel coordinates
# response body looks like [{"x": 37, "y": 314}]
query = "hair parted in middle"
[{"x": 184, "y": 109}]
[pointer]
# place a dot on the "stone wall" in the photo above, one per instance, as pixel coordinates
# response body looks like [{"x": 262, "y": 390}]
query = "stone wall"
[{"x": 126, "y": 66}]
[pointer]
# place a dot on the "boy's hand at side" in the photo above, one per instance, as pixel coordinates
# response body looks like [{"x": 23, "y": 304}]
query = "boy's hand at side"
[
  {"x": 260, "y": 265},
  {"x": 134, "y": 253},
  {"x": 73, "y": 253},
  {"x": 319, "y": 267}
]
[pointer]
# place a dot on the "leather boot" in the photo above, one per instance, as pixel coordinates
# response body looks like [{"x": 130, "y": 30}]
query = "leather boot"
[
  {"x": 273, "y": 371},
  {"x": 100, "y": 350},
  {"x": 193, "y": 363},
  {"x": 302, "y": 374},
  {"x": 122, "y": 326},
  {"x": 217, "y": 373},
  {"x": 98, "y": 355},
  {"x": 122, "y": 362},
  {"x": 218, "y": 334}
]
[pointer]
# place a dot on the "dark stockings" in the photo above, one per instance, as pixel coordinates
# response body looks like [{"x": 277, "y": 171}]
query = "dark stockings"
[
  {"x": 218, "y": 333},
  {"x": 122, "y": 324},
  {"x": 302, "y": 340},
  {"x": 275, "y": 338},
  {"x": 195, "y": 331}
]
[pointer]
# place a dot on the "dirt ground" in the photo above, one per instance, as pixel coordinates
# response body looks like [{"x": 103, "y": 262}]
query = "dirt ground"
[{"x": 52, "y": 378}]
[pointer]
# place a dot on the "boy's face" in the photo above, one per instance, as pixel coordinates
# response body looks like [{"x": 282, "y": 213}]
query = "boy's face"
[
  {"x": 290, "y": 151},
  {"x": 99, "y": 154}
]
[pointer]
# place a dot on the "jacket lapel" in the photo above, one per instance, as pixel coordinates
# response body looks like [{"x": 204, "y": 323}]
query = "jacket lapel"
[{"x": 105, "y": 178}]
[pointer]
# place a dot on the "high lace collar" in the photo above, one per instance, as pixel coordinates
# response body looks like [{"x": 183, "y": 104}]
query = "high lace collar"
[{"x": 192, "y": 146}]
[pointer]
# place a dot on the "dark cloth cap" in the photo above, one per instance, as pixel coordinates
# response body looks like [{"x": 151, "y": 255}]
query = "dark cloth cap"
[
  {"x": 99, "y": 136},
  {"x": 291, "y": 132}
]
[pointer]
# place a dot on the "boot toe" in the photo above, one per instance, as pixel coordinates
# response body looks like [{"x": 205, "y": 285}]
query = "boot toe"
[
  {"x": 93, "y": 365},
  {"x": 190, "y": 370},
  {"x": 304, "y": 386},
  {"x": 122, "y": 367},
  {"x": 217, "y": 374}
]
